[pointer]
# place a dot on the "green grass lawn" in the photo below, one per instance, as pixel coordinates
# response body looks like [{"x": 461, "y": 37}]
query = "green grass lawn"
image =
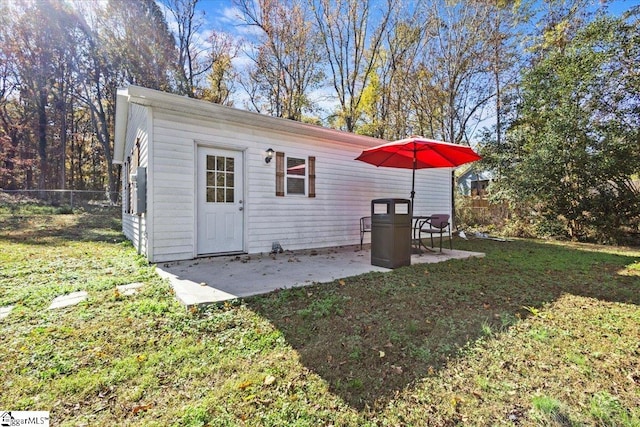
[{"x": 534, "y": 334}]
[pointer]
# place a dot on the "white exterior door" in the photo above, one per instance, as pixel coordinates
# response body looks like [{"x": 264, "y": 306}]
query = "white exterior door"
[{"x": 220, "y": 215}]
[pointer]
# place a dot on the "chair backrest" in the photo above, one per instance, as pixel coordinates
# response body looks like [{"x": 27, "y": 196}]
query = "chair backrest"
[
  {"x": 440, "y": 221},
  {"x": 365, "y": 223}
]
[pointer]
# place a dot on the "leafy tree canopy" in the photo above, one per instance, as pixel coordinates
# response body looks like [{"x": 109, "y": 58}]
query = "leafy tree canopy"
[{"x": 573, "y": 148}]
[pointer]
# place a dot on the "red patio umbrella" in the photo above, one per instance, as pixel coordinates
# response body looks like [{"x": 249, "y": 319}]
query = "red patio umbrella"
[{"x": 418, "y": 153}]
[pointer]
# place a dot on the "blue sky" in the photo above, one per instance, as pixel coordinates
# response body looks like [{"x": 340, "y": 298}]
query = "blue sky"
[{"x": 220, "y": 15}]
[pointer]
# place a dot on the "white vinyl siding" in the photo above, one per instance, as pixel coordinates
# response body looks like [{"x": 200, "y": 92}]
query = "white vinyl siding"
[
  {"x": 344, "y": 187},
  {"x": 344, "y": 190},
  {"x": 173, "y": 190},
  {"x": 134, "y": 226}
]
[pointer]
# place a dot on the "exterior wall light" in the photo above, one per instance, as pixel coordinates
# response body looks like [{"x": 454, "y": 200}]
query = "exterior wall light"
[{"x": 267, "y": 159}]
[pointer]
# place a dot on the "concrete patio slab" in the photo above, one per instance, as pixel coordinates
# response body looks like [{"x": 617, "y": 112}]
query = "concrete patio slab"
[
  {"x": 68, "y": 300},
  {"x": 5, "y": 311},
  {"x": 216, "y": 279},
  {"x": 130, "y": 289}
]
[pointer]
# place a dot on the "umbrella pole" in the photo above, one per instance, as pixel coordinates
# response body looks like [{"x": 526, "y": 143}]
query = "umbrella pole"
[
  {"x": 413, "y": 182},
  {"x": 413, "y": 175}
]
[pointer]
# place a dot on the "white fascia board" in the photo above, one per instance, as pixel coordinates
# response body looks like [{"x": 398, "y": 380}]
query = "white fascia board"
[{"x": 120, "y": 131}]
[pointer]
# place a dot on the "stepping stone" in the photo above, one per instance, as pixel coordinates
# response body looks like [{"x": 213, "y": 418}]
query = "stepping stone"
[
  {"x": 4, "y": 311},
  {"x": 68, "y": 300},
  {"x": 130, "y": 289}
]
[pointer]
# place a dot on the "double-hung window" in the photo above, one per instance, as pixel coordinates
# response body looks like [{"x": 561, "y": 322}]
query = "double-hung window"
[{"x": 295, "y": 175}]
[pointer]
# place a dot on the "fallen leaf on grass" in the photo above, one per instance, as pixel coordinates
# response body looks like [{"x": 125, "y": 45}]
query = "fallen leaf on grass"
[
  {"x": 456, "y": 402},
  {"x": 141, "y": 408},
  {"x": 382, "y": 354},
  {"x": 534, "y": 311},
  {"x": 342, "y": 282},
  {"x": 244, "y": 385},
  {"x": 396, "y": 369}
]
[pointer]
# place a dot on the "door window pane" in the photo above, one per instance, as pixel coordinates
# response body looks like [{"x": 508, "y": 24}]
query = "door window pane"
[
  {"x": 211, "y": 195},
  {"x": 220, "y": 179},
  {"x": 220, "y": 195}
]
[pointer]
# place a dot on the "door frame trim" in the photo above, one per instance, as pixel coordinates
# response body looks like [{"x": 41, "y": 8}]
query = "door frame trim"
[{"x": 197, "y": 144}]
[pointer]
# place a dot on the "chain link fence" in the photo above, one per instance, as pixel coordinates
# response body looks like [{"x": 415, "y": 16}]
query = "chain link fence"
[{"x": 70, "y": 200}]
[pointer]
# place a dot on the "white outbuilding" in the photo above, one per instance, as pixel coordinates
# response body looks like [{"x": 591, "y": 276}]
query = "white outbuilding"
[{"x": 201, "y": 179}]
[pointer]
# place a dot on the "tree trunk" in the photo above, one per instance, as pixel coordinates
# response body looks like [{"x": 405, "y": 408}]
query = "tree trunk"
[
  {"x": 63, "y": 145},
  {"x": 101, "y": 124},
  {"x": 42, "y": 141}
]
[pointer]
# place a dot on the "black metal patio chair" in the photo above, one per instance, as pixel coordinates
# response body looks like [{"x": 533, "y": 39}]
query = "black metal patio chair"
[
  {"x": 437, "y": 224},
  {"x": 365, "y": 227}
]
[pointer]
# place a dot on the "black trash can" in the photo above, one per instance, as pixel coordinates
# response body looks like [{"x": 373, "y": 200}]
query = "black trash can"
[{"x": 391, "y": 232}]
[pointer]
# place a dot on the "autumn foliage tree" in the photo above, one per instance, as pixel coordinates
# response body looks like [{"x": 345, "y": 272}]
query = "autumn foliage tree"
[
  {"x": 63, "y": 64},
  {"x": 286, "y": 57}
]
